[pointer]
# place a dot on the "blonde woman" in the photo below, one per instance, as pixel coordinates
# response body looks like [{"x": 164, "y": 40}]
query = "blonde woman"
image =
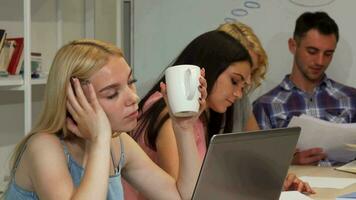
[{"x": 79, "y": 148}]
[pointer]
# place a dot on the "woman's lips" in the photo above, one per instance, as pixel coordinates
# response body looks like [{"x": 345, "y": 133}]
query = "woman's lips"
[
  {"x": 230, "y": 102},
  {"x": 132, "y": 115}
]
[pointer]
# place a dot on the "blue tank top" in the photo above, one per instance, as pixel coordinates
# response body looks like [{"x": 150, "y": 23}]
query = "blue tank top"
[{"x": 115, "y": 190}]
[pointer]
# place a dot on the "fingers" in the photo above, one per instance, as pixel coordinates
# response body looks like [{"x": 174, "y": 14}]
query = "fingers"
[
  {"x": 163, "y": 88},
  {"x": 163, "y": 91},
  {"x": 92, "y": 96},
  {"x": 72, "y": 127},
  {"x": 314, "y": 151},
  {"x": 288, "y": 181},
  {"x": 202, "y": 82},
  {"x": 81, "y": 97},
  {"x": 304, "y": 187},
  {"x": 71, "y": 110},
  {"x": 300, "y": 186},
  {"x": 308, "y": 189},
  {"x": 202, "y": 72},
  {"x": 203, "y": 91},
  {"x": 79, "y": 94},
  {"x": 292, "y": 182},
  {"x": 308, "y": 157},
  {"x": 71, "y": 100}
]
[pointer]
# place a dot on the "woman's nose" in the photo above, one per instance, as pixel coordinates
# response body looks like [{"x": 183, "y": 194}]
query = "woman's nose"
[
  {"x": 238, "y": 92},
  {"x": 133, "y": 98}
]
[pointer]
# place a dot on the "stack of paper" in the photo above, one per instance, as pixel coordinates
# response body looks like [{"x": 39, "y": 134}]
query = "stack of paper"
[
  {"x": 349, "y": 196},
  {"x": 334, "y": 138},
  {"x": 349, "y": 167},
  {"x": 351, "y": 147},
  {"x": 328, "y": 182}
]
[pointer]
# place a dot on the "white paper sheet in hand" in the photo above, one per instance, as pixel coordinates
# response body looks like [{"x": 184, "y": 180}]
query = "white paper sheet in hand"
[{"x": 332, "y": 137}]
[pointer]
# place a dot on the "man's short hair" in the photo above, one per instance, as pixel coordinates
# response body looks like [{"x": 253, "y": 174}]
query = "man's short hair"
[{"x": 320, "y": 21}]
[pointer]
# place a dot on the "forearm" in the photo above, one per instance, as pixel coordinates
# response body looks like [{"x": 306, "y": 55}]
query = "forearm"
[
  {"x": 189, "y": 162},
  {"x": 94, "y": 184},
  {"x": 251, "y": 124}
]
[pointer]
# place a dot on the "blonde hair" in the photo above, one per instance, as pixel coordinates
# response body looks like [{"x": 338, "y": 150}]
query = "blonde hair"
[
  {"x": 245, "y": 35},
  {"x": 79, "y": 58}
]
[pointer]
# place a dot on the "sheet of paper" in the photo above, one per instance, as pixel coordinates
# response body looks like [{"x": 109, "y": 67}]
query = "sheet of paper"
[
  {"x": 328, "y": 182},
  {"x": 334, "y": 138},
  {"x": 349, "y": 167},
  {"x": 349, "y": 196},
  {"x": 295, "y": 195}
]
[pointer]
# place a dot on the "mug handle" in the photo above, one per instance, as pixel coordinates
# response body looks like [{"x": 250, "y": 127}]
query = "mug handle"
[{"x": 188, "y": 84}]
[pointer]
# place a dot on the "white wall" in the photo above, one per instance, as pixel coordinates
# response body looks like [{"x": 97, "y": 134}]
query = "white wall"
[
  {"x": 162, "y": 28},
  {"x": 105, "y": 20}
]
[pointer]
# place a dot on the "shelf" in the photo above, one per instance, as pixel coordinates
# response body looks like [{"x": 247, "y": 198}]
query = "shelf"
[
  {"x": 39, "y": 81},
  {"x": 12, "y": 80},
  {"x": 15, "y": 82}
]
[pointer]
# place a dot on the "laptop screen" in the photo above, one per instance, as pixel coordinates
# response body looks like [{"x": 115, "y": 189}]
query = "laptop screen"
[{"x": 250, "y": 165}]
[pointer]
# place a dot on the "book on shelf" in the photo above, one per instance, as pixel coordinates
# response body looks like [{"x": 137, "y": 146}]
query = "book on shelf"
[
  {"x": 2, "y": 38},
  {"x": 17, "y": 56},
  {"x": 5, "y": 56},
  {"x": 3, "y": 68}
]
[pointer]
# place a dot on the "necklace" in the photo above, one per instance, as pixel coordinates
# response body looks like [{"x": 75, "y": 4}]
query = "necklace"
[{"x": 115, "y": 134}]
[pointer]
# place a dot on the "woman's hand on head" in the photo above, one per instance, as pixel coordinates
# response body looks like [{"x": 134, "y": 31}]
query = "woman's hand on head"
[
  {"x": 188, "y": 122},
  {"x": 90, "y": 119}
]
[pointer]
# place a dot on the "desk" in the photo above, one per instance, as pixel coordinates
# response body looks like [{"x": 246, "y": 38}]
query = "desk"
[{"x": 324, "y": 193}]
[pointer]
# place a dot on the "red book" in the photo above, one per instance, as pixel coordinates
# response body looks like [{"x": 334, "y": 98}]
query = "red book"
[{"x": 17, "y": 56}]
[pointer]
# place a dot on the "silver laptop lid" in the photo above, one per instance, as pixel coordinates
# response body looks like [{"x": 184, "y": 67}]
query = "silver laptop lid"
[{"x": 250, "y": 165}]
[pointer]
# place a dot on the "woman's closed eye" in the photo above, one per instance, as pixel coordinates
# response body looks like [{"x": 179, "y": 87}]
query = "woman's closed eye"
[
  {"x": 112, "y": 95},
  {"x": 240, "y": 83},
  {"x": 235, "y": 81},
  {"x": 131, "y": 81}
]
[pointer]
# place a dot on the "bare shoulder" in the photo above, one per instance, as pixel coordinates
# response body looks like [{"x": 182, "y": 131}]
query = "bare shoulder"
[
  {"x": 44, "y": 149},
  {"x": 43, "y": 142},
  {"x": 42, "y": 158},
  {"x": 128, "y": 143},
  {"x": 134, "y": 154}
]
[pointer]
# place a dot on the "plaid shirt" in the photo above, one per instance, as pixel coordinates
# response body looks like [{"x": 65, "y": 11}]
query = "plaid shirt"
[{"x": 330, "y": 101}]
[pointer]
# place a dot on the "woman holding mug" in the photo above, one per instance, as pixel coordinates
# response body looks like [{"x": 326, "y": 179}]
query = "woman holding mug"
[{"x": 227, "y": 65}]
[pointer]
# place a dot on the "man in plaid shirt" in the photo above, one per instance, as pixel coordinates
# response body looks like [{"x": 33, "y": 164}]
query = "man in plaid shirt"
[{"x": 307, "y": 90}]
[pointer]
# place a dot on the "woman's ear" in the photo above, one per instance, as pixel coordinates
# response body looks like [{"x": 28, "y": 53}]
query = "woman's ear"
[{"x": 292, "y": 45}]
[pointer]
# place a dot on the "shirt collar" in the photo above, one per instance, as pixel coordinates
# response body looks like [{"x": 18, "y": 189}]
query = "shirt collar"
[{"x": 288, "y": 84}]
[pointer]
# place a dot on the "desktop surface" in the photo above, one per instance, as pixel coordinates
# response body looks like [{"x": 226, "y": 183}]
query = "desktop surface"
[{"x": 324, "y": 193}]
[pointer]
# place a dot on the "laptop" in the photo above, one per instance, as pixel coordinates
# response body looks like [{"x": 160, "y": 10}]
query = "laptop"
[{"x": 249, "y": 165}]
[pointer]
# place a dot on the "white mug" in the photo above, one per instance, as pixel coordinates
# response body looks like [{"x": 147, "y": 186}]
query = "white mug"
[{"x": 182, "y": 89}]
